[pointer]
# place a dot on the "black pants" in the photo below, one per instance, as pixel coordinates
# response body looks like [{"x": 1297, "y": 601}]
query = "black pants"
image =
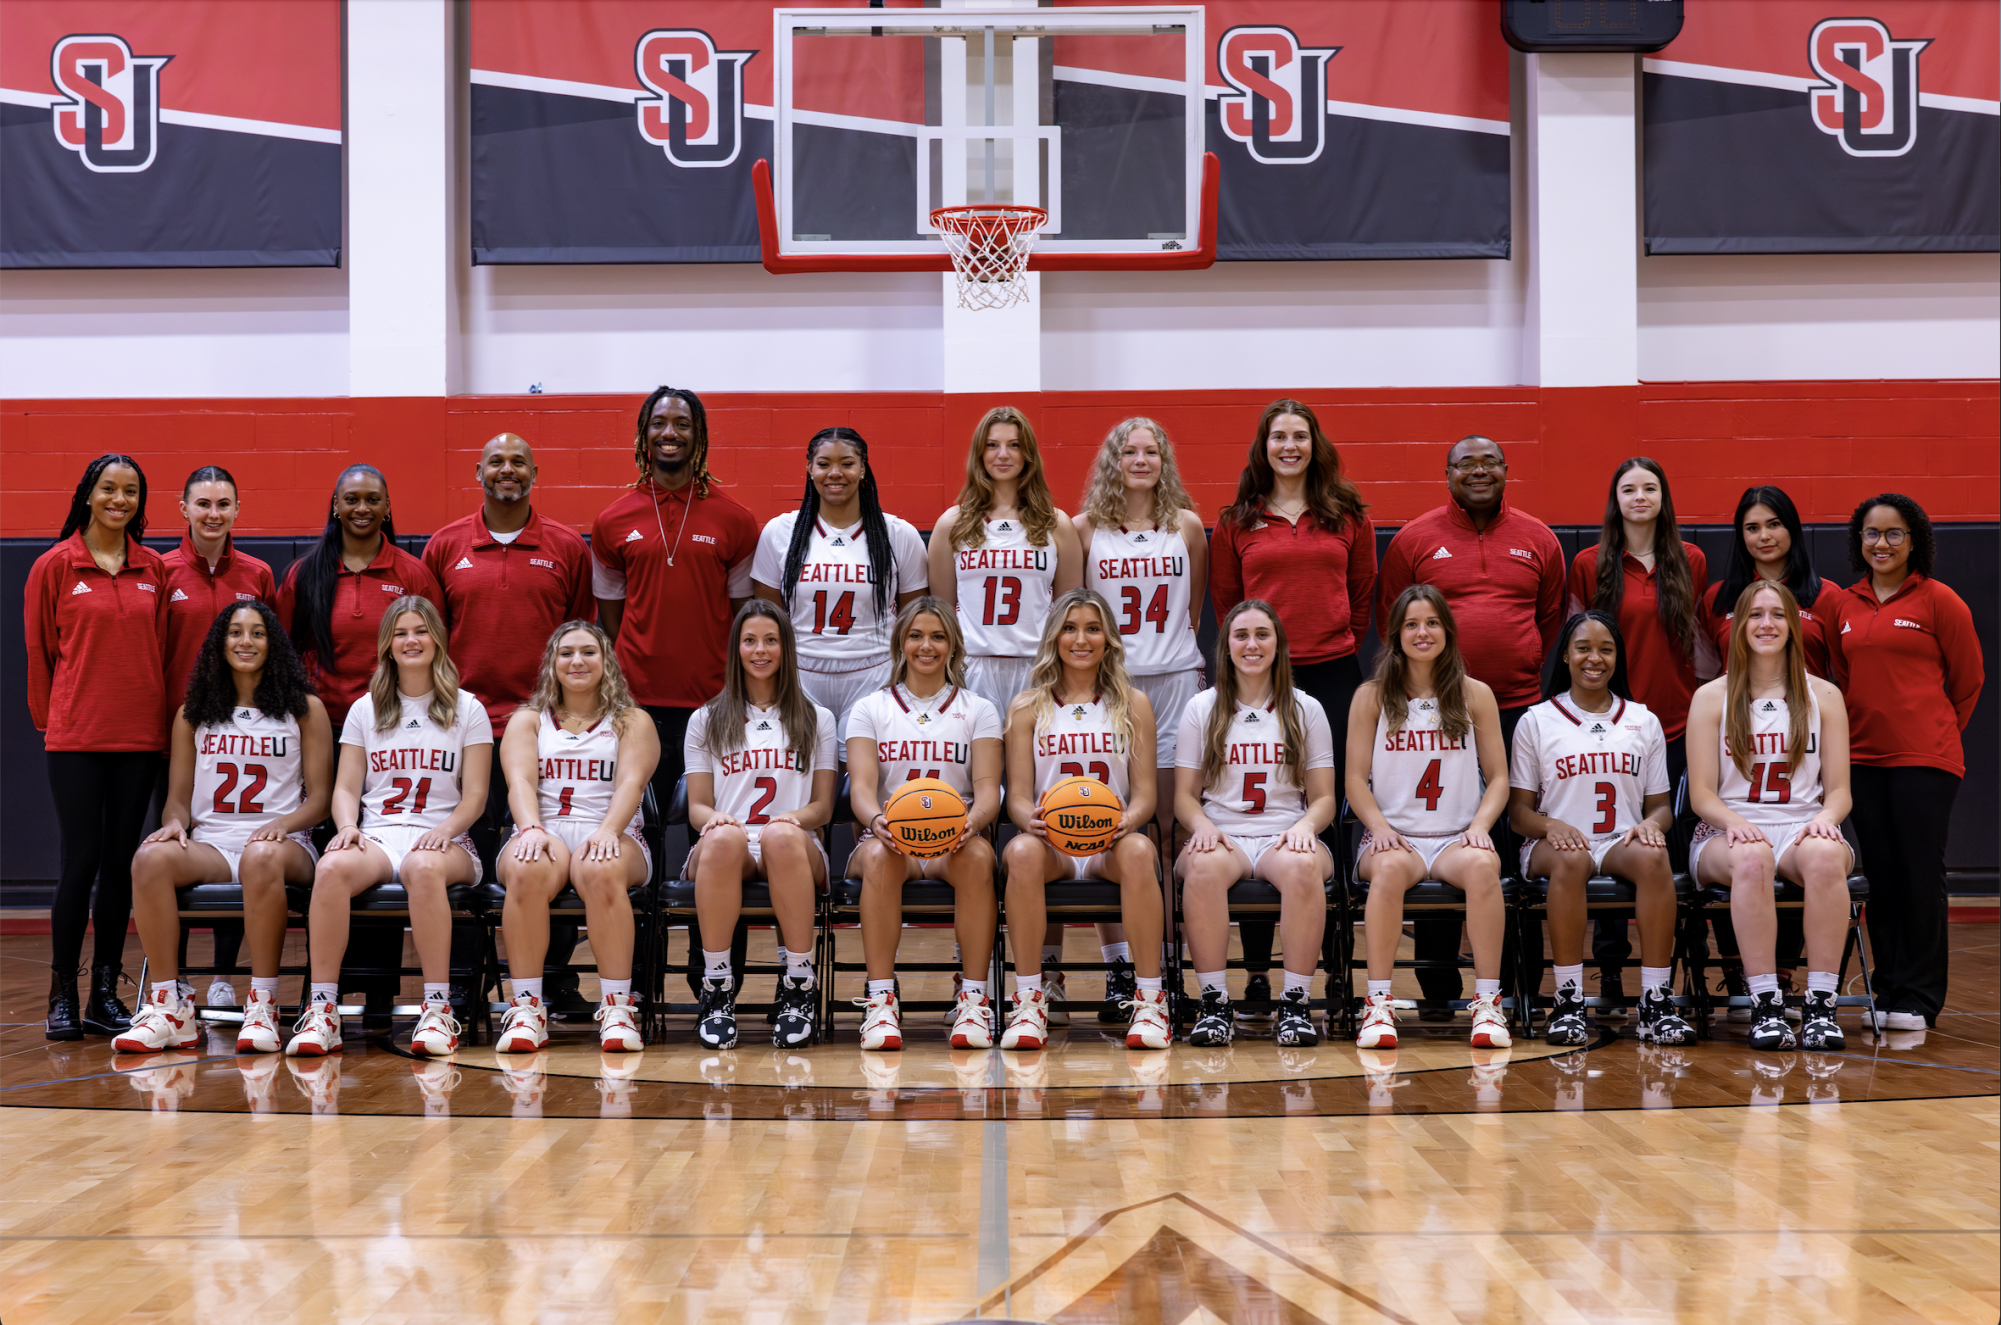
[
  {"x": 1901, "y": 815},
  {"x": 1332, "y": 682},
  {"x": 672, "y": 725},
  {"x": 101, "y": 798}
]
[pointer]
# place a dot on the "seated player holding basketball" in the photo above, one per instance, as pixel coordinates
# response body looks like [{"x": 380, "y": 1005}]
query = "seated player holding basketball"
[
  {"x": 1082, "y": 717},
  {"x": 1768, "y": 773},
  {"x": 925, "y": 725},
  {"x": 251, "y": 773},
  {"x": 1254, "y": 786},
  {"x": 761, "y": 773},
  {"x": 415, "y": 754},
  {"x": 1423, "y": 739},
  {"x": 1589, "y": 793},
  {"x": 578, "y": 754}
]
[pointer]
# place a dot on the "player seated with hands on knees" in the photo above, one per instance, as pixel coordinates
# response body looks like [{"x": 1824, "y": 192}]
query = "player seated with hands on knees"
[
  {"x": 925, "y": 728},
  {"x": 1428, "y": 778},
  {"x": 578, "y": 755},
  {"x": 251, "y": 773},
  {"x": 415, "y": 754},
  {"x": 1590, "y": 793},
  {"x": 761, "y": 775},
  {"x": 1081, "y": 719},
  {"x": 1768, "y": 774},
  {"x": 1254, "y": 786}
]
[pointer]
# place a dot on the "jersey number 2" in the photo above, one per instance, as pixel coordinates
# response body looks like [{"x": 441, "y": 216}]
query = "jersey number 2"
[
  {"x": 254, "y": 777},
  {"x": 1156, "y": 611},
  {"x": 1008, "y": 590},
  {"x": 767, "y": 792}
]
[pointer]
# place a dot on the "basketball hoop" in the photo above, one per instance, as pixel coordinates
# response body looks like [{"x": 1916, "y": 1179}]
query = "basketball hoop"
[{"x": 990, "y": 244}]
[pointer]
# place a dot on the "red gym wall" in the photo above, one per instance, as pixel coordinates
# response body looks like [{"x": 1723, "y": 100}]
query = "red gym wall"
[{"x": 1830, "y": 444}]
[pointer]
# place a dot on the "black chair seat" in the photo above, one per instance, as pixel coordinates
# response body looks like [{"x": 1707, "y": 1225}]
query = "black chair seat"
[
  {"x": 1784, "y": 892},
  {"x": 677, "y": 896},
  {"x": 1260, "y": 895},
  {"x": 934, "y": 896},
  {"x": 1432, "y": 895},
  {"x": 1081, "y": 895},
  {"x": 226, "y": 897},
  {"x": 394, "y": 899},
  {"x": 1599, "y": 890}
]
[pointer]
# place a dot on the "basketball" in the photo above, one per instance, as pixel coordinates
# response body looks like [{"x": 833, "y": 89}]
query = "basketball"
[
  {"x": 926, "y": 816},
  {"x": 1082, "y": 815}
]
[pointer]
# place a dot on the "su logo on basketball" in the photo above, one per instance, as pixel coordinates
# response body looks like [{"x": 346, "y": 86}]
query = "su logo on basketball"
[
  {"x": 1278, "y": 103},
  {"x": 696, "y": 111},
  {"x": 1868, "y": 97},
  {"x": 111, "y": 117}
]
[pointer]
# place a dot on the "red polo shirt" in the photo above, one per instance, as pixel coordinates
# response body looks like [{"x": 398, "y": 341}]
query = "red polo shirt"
[
  {"x": 360, "y": 599},
  {"x": 196, "y": 596},
  {"x": 1717, "y": 619},
  {"x": 1323, "y": 584},
  {"x": 672, "y": 638},
  {"x": 1505, "y": 586},
  {"x": 97, "y": 649},
  {"x": 1911, "y": 670},
  {"x": 502, "y": 601},
  {"x": 1661, "y": 677}
]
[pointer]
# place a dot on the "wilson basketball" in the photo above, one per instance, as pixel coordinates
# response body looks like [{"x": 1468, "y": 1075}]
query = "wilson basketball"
[
  {"x": 926, "y": 816},
  {"x": 1081, "y": 814}
]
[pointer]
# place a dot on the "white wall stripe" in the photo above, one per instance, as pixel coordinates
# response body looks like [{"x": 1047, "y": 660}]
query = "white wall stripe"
[
  {"x": 193, "y": 119},
  {"x": 1711, "y": 73}
]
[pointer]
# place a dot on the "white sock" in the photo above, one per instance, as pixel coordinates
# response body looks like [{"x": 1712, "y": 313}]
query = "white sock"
[
  {"x": 1116, "y": 952},
  {"x": 1656, "y": 977},
  {"x": 1570, "y": 977},
  {"x": 1148, "y": 984},
  {"x": 532, "y": 988},
  {"x": 978, "y": 987},
  {"x": 607, "y": 988},
  {"x": 1379, "y": 989},
  {"x": 441, "y": 993},
  {"x": 716, "y": 965},
  {"x": 166, "y": 991},
  {"x": 326, "y": 993},
  {"x": 881, "y": 987},
  {"x": 1211, "y": 980},
  {"x": 1763, "y": 984},
  {"x": 1024, "y": 985},
  {"x": 799, "y": 966},
  {"x": 1483, "y": 988},
  {"x": 265, "y": 984},
  {"x": 1052, "y": 954},
  {"x": 1823, "y": 982},
  {"x": 1294, "y": 980}
]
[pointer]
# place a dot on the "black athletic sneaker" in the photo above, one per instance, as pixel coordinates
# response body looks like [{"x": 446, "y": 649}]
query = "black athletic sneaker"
[
  {"x": 1566, "y": 1020},
  {"x": 1293, "y": 1023},
  {"x": 1768, "y": 1024},
  {"x": 796, "y": 1013},
  {"x": 1121, "y": 985},
  {"x": 1254, "y": 1008},
  {"x": 715, "y": 1015},
  {"x": 1821, "y": 1031},
  {"x": 1660, "y": 1021},
  {"x": 1212, "y": 1028}
]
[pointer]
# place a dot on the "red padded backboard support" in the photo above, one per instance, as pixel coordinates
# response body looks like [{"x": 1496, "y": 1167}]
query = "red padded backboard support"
[{"x": 780, "y": 264}]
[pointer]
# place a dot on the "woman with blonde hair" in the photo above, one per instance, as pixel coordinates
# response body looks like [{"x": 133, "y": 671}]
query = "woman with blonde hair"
[
  {"x": 577, "y": 756},
  {"x": 415, "y": 754}
]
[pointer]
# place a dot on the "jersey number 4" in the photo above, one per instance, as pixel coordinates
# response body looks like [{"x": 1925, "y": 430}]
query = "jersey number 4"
[
  {"x": 394, "y": 805},
  {"x": 1007, "y": 590},
  {"x": 841, "y": 620},
  {"x": 1135, "y": 618},
  {"x": 1771, "y": 784},
  {"x": 1429, "y": 787},
  {"x": 254, "y": 778}
]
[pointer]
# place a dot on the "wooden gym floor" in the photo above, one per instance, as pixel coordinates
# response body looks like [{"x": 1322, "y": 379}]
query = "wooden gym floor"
[{"x": 1082, "y": 1184}]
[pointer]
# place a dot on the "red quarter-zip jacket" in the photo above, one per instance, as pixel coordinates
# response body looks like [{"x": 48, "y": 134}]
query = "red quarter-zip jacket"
[
  {"x": 1505, "y": 587},
  {"x": 360, "y": 599},
  {"x": 1323, "y": 583},
  {"x": 196, "y": 596},
  {"x": 1662, "y": 676},
  {"x": 97, "y": 649},
  {"x": 502, "y": 601},
  {"x": 1911, "y": 670}
]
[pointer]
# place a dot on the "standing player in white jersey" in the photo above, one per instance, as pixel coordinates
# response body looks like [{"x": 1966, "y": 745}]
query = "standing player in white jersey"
[
  {"x": 843, "y": 569},
  {"x": 251, "y": 773},
  {"x": 1768, "y": 773},
  {"x": 578, "y": 754},
  {"x": 415, "y": 754},
  {"x": 925, "y": 724},
  {"x": 1254, "y": 786},
  {"x": 1589, "y": 792},
  {"x": 761, "y": 771},
  {"x": 1082, "y": 717},
  {"x": 1427, "y": 777}
]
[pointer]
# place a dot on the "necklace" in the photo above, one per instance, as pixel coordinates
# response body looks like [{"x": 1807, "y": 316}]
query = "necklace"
[{"x": 686, "y": 507}]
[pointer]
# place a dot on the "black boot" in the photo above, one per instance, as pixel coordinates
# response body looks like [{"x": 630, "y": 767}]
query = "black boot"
[
  {"x": 63, "y": 1022},
  {"x": 104, "y": 1014}
]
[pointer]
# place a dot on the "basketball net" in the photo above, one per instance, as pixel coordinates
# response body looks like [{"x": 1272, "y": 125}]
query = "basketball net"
[{"x": 990, "y": 244}]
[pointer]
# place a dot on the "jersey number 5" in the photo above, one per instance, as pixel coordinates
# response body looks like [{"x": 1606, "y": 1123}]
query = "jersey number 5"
[
  {"x": 1254, "y": 793},
  {"x": 1156, "y": 611},
  {"x": 1008, "y": 590},
  {"x": 254, "y": 776}
]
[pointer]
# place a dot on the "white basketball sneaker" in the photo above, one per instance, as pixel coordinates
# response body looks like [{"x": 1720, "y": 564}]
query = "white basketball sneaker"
[
  {"x": 524, "y": 1027},
  {"x": 972, "y": 1021},
  {"x": 316, "y": 1033},
  {"x": 880, "y": 1023},
  {"x": 1028, "y": 1024},
  {"x": 221, "y": 994},
  {"x": 1490, "y": 1024},
  {"x": 164, "y": 1021},
  {"x": 259, "y": 1032},
  {"x": 618, "y": 1025},
  {"x": 1149, "y": 1028},
  {"x": 437, "y": 1031},
  {"x": 1379, "y": 1024}
]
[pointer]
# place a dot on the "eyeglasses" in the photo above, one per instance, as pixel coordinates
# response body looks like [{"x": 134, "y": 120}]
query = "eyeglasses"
[
  {"x": 1478, "y": 463},
  {"x": 1893, "y": 537}
]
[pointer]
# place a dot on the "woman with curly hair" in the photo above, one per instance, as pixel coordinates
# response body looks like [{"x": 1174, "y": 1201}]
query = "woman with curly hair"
[{"x": 251, "y": 773}]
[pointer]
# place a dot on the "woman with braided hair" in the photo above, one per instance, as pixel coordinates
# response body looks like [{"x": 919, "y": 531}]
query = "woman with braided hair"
[{"x": 842, "y": 569}]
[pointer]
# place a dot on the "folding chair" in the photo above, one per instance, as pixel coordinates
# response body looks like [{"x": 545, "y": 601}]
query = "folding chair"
[
  {"x": 386, "y": 906},
  {"x": 1605, "y": 895},
  {"x": 202, "y": 905},
  {"x": 1254, "y": 899}
]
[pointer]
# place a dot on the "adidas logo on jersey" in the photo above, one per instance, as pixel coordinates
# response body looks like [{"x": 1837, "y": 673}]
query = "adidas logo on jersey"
[
  {"x": 838, "y": 541},
  {"x": 244, "y": 715},
  {"x": 1597, "y": 729},
  {"x": 633, "y": 537},
  {"x": 465, "y": 563},
  {"x": 1005, "y": 527},
  {"x": 1139, "y": 538},
  {"x": 1078, "y": 713},
  {"x": 1441, "y": 555},
  {"x": 413, "y": 725},
  {"x": 1768, "y": 707},
  {"x": 764, "y": 726},
  {"x": 178, "y": 597},
  {"x": 80, "y": 587},
  {"x": 1252, "y": 716}
]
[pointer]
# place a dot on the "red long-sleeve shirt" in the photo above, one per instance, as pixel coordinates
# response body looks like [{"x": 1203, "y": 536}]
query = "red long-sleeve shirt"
[
  {"x": 360, "y": 599},
  {"x": 1717, "y": 619},
  {"x": 502, "y": 600},
  {"x": 1661, "y": 675},
  {"x": 1505, "y": 586},
  {"x": 196, "y": 595},
  {"x": 97, "y": 649},
  {"x": 1911, "y": 670},
  {"x": 1323, "y": 584}
]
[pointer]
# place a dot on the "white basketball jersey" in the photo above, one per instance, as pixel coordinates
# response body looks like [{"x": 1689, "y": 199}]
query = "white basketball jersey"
[
  {"x": 1005, "y": 588},
  {"x": 1143, "y": 574},
  {"x": 1255, "y": 796},
  {"x": 924, "y": 738},
  {"x": 1427, "y": 785},
  {"x": 762, "y": 776},
  {"x": 1773, "y": 796},
  {"x": 577, "y": 773},
  {"x": 414, "y": 769},
  {"x": 834, "y": 614},
  {"x": 1079, "y": 742},
  {"x": 248, "y": 773},
  {"x": 1592, "y": 771}
]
